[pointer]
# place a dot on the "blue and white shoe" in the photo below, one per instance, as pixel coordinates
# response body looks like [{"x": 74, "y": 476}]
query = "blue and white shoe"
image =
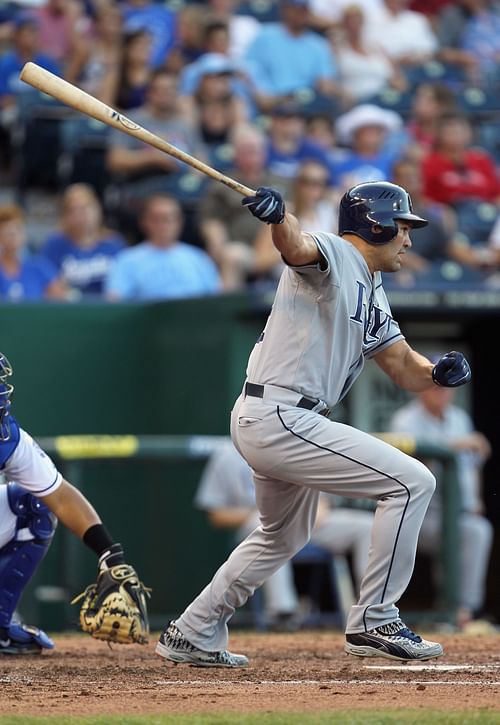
[
  {"x": 175, "y": 647},
  {"x": 23, "y": 639},
  {"x": 393, "y": 641}
]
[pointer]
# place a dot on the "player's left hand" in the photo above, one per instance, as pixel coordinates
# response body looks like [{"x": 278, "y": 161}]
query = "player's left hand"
[
  {"x": 451, "y": 370},
  {"x": 114, "y": 608},
  {"x": 267, "y": 205}
]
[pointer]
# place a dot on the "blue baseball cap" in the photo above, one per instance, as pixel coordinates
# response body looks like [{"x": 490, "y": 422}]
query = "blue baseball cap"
[
  {"x": 214, "y": 64},
  {"x": 25, "y": 18}
]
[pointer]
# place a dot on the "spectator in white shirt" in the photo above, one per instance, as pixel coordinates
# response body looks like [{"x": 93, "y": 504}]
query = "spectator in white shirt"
[
  {"x": 364, "y": 68},
  {"x": 405, "y": 35}
]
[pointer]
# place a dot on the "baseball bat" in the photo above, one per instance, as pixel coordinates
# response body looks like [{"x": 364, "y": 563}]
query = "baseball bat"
[{"x": 73, "y": 96}]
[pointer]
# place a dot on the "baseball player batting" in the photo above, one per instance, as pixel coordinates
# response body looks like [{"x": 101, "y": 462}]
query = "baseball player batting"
[
  {"x": 35, "y": 497},
  {"x": 330, "y": 313}
]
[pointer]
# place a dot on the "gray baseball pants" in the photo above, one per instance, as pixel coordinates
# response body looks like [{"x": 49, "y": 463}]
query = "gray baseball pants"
[{"x": 296, "y": 454}]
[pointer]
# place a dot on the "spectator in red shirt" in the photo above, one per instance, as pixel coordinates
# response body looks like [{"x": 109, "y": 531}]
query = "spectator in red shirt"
[
  {"x": 431, "y": 8},
  {"x": 455, "y": 171}
]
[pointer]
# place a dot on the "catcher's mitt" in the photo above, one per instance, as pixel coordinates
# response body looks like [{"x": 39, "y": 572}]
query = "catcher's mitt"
[{"x": 114, "y": 608}]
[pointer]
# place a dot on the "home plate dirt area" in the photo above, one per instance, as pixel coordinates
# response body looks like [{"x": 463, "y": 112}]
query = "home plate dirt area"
[{"x": 305, "y": 671}]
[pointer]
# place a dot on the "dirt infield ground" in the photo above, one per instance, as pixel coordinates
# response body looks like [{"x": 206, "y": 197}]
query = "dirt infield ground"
[{"x": 301, "y": 672}]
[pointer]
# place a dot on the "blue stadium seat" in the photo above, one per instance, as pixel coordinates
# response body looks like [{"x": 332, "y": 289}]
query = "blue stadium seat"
[
  {"x": 220, "y": 156},
  {"x": 434, "y": 71},
  {"x": 187, "y": 187},
  {"x": 84, "y": 144},
  {"x": 442, "y": 276},
  {"x": 476, "y": 219},
  {"x": 312, "y": 103},
  {"x": 450, "y": 274},
  {"x": 36, "y": 140},
  {"x": 393, "y": 100},
  {"x": 264, "y": 10},
  {"x": 478, "y": 102},
  {"x": 488, "y": 136}
]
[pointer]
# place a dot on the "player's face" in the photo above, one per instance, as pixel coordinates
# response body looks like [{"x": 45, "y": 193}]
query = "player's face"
[{"x": 392, "y": 254}]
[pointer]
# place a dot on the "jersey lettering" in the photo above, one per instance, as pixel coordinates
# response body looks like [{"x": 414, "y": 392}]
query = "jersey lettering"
[
  {"x": 360, "y": 306},
  {"x": 378, "y": 319},
  {"x": 372, "y": 318}
]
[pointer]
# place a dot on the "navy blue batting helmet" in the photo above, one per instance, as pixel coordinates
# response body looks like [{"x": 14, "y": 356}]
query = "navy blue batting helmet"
[{"x": 371, "y": 211}]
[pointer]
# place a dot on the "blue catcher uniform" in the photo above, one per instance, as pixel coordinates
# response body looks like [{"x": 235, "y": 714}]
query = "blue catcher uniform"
[{"x": 26, "y": 524}]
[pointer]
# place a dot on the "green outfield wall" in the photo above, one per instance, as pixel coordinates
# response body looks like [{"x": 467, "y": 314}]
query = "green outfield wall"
[
  {"x": 171, "y": 368},
  {"x": 166, "y": 369}
]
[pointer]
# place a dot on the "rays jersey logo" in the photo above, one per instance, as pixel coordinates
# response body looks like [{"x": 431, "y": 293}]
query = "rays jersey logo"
[{"x": 373, "y": 318}]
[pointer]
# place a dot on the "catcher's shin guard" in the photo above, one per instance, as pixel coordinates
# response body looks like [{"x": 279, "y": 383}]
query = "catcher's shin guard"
[{"x": 20, "y": 557}]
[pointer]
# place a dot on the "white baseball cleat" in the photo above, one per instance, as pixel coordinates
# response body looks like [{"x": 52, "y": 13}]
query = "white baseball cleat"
[
  {"x": 175, "y": 647},
  {"x": 393, "y": 641}
]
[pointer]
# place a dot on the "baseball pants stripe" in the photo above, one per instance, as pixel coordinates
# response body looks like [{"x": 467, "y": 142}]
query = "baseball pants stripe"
[{"x": 296, "y": 454}]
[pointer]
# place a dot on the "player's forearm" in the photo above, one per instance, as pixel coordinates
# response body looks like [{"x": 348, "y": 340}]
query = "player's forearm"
[
  {"x": 415, "y": 375},
  {"x": 407, "y": 368},
  {"x": 291, "y": 243},
  {"x": 72, "y": 509}
]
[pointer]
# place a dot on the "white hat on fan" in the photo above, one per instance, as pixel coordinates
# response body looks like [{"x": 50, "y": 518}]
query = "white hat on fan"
[{"x": 366, "y": 114}]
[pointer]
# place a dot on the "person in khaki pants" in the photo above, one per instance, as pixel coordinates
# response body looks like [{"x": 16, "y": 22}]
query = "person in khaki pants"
[{"x": 432, "y": 416}]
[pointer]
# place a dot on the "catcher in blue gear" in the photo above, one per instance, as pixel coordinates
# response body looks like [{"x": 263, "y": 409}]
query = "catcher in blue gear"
[{"x": 34, "y": 497}]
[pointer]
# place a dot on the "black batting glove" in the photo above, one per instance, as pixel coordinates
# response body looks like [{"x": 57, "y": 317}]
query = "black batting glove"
[
  {"x": 267, "y": 205},
  {"x": 451, "y": 370}
]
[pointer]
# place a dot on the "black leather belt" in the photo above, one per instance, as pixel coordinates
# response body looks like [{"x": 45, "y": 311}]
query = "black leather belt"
[{"x": 257, "y": 391}]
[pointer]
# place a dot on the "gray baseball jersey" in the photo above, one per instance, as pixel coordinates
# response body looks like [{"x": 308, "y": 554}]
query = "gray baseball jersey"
[
  {"x": 326, "y": 319},
  {"x": 323, "y": 324}
]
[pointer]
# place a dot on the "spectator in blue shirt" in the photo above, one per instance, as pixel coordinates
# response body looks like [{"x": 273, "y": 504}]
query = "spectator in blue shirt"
[
  {"x": 23, "y": 277},
  {"x": 25, "y": 48},
  {"x": 83, "y": 248},
  {"x": 158, "y": 20},
  {"x": 481, "y": 39},
  {"x": 288, "y": 145},
  {"x": 286, "y": 58},
  {"x": 162, "y": 267}
]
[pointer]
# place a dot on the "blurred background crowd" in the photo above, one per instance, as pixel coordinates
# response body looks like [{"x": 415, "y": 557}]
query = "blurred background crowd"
[{"x": 308, "y": 96}]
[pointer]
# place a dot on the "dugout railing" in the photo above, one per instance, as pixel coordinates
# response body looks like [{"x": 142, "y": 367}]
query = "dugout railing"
[{"x": 74, "y": 453}]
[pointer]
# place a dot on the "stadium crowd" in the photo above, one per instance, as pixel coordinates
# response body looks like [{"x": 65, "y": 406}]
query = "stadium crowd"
[{"x": 308, "y": 96}]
